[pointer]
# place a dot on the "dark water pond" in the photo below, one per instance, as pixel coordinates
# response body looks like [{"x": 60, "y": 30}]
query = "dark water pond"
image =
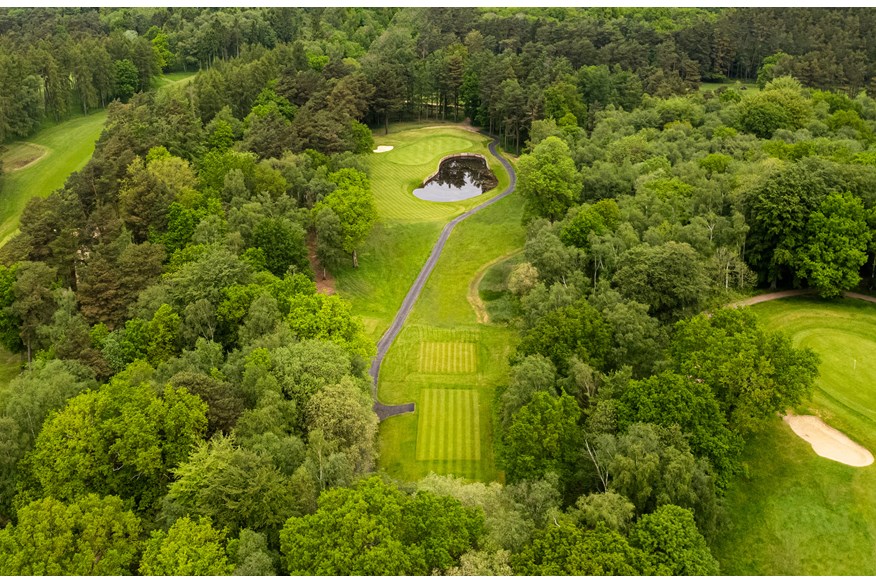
[{"x": 458, "y": 178}]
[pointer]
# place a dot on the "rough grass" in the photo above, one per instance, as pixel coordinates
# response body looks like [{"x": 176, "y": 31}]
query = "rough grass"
[
  {"x": 68, "y": 145},
  {"x": 797, "y": 513},
  {"x": 19, "y": 155},
  {"x": 168, "y": 79}
]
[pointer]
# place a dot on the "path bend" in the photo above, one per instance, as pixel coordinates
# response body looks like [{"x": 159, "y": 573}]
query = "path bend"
[
  {"x": 384, "y": 411},
  {"x": 792, "y": 293}
]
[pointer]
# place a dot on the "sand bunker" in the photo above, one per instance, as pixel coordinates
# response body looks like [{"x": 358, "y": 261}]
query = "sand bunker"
[
  {"x": 380, "y": 149},
  {"x": 829, "y": 442}
]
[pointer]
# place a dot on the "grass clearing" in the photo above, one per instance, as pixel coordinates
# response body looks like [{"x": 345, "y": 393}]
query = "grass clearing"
[
  {"x": 442, "y": 360},
  {"x": 443, "y": 318},
  {"x": 797, "y": 513},
  {"x": 68, "y": 146},
  {"x": 747, "y": 87}
]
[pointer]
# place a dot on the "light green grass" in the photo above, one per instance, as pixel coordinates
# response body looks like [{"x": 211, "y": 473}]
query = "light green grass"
[
  {"x": 798, "y": 513},
  {"x": 449, "y": 426},
  {"x": 69, "y": 146},
  {"x": 444, "y": 357},
  {"x": 170, "y": 79},
  {"x": 749, "y": 87}
]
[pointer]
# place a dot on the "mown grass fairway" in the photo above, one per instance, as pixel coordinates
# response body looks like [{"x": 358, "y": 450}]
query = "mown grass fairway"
[
  {"x": 428, "y": 356},
  {"x": 442, "y": 360},
  {"x": 795, "y": 512},
  {"x": 68, "y": 146}
]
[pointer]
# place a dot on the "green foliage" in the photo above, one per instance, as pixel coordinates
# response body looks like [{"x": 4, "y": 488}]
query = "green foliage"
[
  {"x": 669, "y": 399},
  {"x": 91, "y": 536},
  {"x": 354, "y": 206},
  {"x": 780, "y": 105},
  {"x": 543, "y": 437},
  {"x": 653, "y": 466},
  {"x": 283, "y": 243},
  {"x": 548, "y": 180},
  {"x": 126, "y": 79},
  {"x": 577, "y": 330},
  {"x": 328, "y": 318},
  {"x": 566, "y": 550},
  {"x": 9, "y": 324},
  {"x": 835, "y": 246},
  {"x": 234, "y": 487},
  {"x": 673, "y": 543},
  {"x": 122, "y": 439},
  {"x": 670, "y": 279},
  {"x": 376, "y": 529},
  {"x": 188, "y": 548},
  {"x": 754, "y": 373}
]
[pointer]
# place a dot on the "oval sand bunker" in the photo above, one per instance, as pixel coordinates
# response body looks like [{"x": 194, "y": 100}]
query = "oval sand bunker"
[
  {"x": 829, "y": 442},
  {"x": 380, "y": 149}
]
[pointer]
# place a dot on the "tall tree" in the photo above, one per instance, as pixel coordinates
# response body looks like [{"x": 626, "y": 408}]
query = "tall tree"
[{"x": 548, "y": 179}]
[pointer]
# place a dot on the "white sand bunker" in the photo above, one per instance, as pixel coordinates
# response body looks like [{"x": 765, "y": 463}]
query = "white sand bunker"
[
  {"x": 380, "y": 149},
  {"x": 829, "y": 442}
]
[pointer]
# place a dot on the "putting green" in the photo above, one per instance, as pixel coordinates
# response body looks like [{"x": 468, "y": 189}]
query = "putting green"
[
  {"x": 423, "y": 151},
  {"x": 391, "y": 257},
  {"x": 794, "y": 512}
]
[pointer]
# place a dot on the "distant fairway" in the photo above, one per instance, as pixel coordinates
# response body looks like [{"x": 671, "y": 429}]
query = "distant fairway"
[
  {"x": 53, "y": 154},
  {"x": 67, "y": 147},
  {"x": 795, "y": 512}
]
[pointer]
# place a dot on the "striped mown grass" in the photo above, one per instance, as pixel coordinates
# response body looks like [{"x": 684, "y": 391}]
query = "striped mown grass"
[
  {"x": 438, "y": 357},
  {"x": 442, "y": 348},
  {"x": 449, "y": 425}
]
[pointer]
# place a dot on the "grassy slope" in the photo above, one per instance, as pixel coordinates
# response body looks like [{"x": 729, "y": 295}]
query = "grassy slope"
[
  {"x": 70, "y": 145},
  {"x": 795, "y": 512},
  {"x": 389, "y": 263}
]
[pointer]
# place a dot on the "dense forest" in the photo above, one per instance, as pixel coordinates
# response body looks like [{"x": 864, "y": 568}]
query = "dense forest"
[{"x": 190, "y": 405}]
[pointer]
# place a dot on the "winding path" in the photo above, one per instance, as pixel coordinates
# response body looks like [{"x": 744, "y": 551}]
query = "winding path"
[
  {"x": 384, "y": 411},
  {"x": 790, "y": 293}
]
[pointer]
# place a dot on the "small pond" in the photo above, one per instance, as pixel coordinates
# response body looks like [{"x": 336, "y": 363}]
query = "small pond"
[{"x": 458, "y": 178}]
